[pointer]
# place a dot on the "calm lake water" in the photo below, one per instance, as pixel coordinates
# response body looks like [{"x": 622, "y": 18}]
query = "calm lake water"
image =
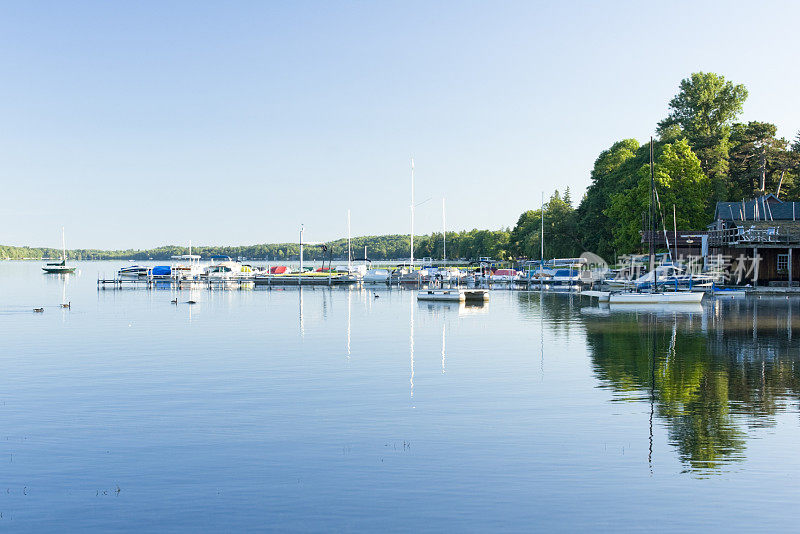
[{"x": 362, "y": 409}]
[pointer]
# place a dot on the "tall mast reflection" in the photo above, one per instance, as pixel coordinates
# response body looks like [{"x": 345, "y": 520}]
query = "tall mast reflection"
[
  {"x": 541, "y": 334},
  {"x": 349, "y": 296},
  {"x": 651, "y": 335},
  {"x": 64, "y": 282},
  {"x": 443, "y": 344},
  {"x": 300, "y": 300},
  {"x": 411, "y": 343}
]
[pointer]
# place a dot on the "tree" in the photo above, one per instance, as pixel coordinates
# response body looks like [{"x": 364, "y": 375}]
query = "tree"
[
  {"x": 704, "y": 110},
  {"x": 614, "y": 172},
  {"x": 561, "y": 239},
  {"x": 679, "y": 181},
  {"x": 759, "y": 161}
]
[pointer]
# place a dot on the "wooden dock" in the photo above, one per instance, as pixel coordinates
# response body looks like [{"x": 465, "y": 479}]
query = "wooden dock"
[{"x": 150, "y": 282}]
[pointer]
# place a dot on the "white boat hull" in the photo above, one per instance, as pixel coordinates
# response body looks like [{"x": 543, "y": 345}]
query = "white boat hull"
[
  {"x": 679, "y": 297},
  {"x": 376, "y": 276}
]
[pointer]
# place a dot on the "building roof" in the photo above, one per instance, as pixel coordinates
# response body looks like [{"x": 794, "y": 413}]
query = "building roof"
[{"x": 765, "y": 208}]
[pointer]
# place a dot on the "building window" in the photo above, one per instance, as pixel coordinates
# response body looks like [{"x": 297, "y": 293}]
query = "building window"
[{"x": 783, "y": 262}]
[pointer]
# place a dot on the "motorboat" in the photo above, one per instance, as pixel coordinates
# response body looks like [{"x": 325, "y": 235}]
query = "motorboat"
[
  {"x": 358, "y": 270},
  {"x": 187, "y": 266},
  {"x": 566, "y": 277},
  {"x": 505, "y": 275},
  {"x": 161, "y": 272},
  {"x": 418, "y": 276},
  {"x": 224, "y": 268},
  {"x": 376, "y": 276},
  {"x": 134, "y": 271},
  {"x": 445, "y": 275}
]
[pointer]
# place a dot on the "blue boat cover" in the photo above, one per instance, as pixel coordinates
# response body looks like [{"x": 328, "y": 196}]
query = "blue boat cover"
[{"x": 162, "y": 270}]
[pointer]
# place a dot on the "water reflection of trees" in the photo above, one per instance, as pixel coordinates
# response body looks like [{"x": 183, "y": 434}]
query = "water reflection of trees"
[
  {"x": 557, "y": 310},
  {"x": 711, "y": 375}
]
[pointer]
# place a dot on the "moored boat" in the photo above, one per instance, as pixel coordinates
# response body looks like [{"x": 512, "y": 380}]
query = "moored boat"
[
  {"x": 133, "y": 271},
  {"x": 376, "y": 276},
  {"x": 60, "y": 267},
  {"x": 505, "y": 275},
  {"x": 655, "y": 297}
]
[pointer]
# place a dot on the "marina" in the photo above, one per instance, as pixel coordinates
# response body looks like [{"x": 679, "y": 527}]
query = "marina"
[{"x": 401, "y": 267}]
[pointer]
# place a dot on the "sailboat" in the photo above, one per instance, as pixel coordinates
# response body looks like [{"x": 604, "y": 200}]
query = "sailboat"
[
  {"x": 654, "y": 296},
  {"x": 412, "y": 276},
  {"x": 60, "y": 267}
]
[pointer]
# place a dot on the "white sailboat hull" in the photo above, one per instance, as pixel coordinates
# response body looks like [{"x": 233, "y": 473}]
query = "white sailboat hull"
[{"x": 679, "y": 297}]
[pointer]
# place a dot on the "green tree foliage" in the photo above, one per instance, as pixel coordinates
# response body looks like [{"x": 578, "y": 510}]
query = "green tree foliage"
[
  {"x": 703, "y": 111},
  {"x": 468, "y": 245},
  {"x": 679, "y": 181},
  {"x": 560, "y": 230},
  {"x": 760, "y": 162},
  {"x": 614, "y": 172},
  {"x": 740, "y": 161}
]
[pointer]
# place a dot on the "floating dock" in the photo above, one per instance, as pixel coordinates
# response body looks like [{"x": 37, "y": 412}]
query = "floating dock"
[{"x": 121, "y": 282}]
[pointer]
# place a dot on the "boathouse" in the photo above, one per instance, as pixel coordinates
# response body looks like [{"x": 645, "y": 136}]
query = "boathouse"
[{"x": 766, "y": 228}]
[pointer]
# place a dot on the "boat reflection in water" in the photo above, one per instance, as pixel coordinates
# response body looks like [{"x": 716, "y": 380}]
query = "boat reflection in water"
[
  {"x": 714, "y": 375},
  {"x": 460, "y": 308}
]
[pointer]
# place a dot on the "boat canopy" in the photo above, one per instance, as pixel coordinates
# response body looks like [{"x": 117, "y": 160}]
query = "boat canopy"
[
  {"x": 566, "y": 272},
  {"x": 161, "y": 270},
  {"x": 187, "y": 257}
]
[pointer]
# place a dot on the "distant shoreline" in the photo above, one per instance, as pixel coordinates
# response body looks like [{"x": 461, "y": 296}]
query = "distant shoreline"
[{"x": 461, "y": 246}]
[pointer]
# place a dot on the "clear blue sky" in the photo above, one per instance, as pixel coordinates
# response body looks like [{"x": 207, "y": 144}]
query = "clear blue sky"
[{"x": 136, "y": 124}]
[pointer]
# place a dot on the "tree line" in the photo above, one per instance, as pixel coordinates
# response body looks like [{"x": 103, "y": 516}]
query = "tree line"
[
  {"x": 465, "y": 245},
  {"x": 702, "y": 155}
]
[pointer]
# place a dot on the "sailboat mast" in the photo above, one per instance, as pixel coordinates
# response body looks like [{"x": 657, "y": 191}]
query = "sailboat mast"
[
  {"x": 675, "y": 230},
  {"x": 412, "y": 214},
  {"x": 541, "y": 236},
  {"x": 349, "y": 250},
  {"x": 63, "y": 246},
  {"x": 302, "y": 228},
  {"x": 651, "y": 251},
  {"x": 444, "y": 236}
]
